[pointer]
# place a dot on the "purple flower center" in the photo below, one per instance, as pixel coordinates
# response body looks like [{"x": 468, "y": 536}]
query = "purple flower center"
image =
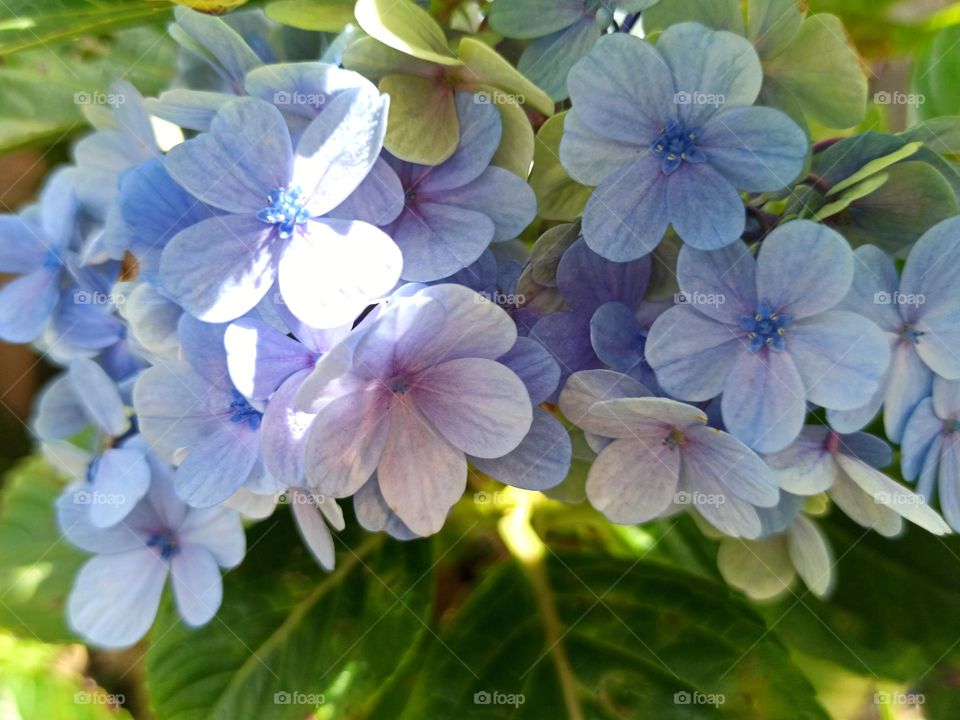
[
  {"x": 286, "y": 210},
  {"x": 766, "y": 328},
  {"x": 398, "y": 385},
  {"x": 165, "y": 543},
  {"x": 911, "y": 334},
  {"x": 675, "y": 145},
  {"x": 244, "y": 412}
]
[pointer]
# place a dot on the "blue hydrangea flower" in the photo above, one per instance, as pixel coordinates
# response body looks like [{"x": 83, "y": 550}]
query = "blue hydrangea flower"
[
  {"x": 84, "y": 395},
  {"x": 561, "y": 33},
  {"x": 765, "y": 333},
  {"x": 115, "y": 596},
  {"x": 663, "y": 456},
  {"x": 667, "y": 136},
  {"x": 409, "y": 396},
  {"x": 594, "y": 289},
  {"x": 920, "y": 316},
  {"x": 452, "y": 212},
  {"x": 191, "y": 414},
  {"x": 277, "y": 200},
  {"x": 847, "y": 467},
  {"x": 931, "y": 448}
]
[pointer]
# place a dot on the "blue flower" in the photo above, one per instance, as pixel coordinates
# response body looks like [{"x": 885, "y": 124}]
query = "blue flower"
[
  {"x": 82, "y": 396},
  {"x": 115, "y": 596},
  {"x": 920, "y": 317},
  {"x": 847, "y": 467},
  {"x": 410, "y": 395},
  {"x": 666, "y": 136},
  {"x": 452, "y": 212},
  {"x": 561, "y": 33},
  {"x": 931, "y": 448},
  {"x": 765, "y": 334},
  {"x": 277, "y": 226},
  {"x": 663, "y": 456}
]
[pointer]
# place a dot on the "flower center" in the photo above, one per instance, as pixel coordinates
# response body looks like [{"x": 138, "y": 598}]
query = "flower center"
[
  {"x": 766, "y": 328},
  {"x": 165, "y": 543},
  {"x": 398, "y": 385},
  {"x": 951, "y": 426},
  {"x": 675, "y": 439},
  {"x": 286, "y": 210},
  {"x": 911, "y": 334},
  {"x": 244, "y": 412},
  {"x": 675, "y": 145}
]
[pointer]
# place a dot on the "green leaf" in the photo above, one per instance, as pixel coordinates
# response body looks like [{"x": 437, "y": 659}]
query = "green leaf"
[
  {"x": 559, "y": 196},
  {"x": 902, "y": 594},
  {"x": 43, "y": 90},
  {"x": 37, "y": 565},
  {"x": 820, "y": 51},
  {"x": 517, "y": 143},
  {"x": 773, "y": 25},
  {"x": 28, "y": 23},
  {"x": 406, "y": 27},
  {"x": 422, "y": 126},
  {"x": 320, "y": 15},
  {"x": 936, "y": 75},
  {"x": 371, "y": 58},
  {"x": 716, "y": 14},
  {"x": 290, "y": 637},
  {"x": 485, "y": 66},
  {"x": 857, "y": 192},
  {"x": 941, "y": 135},
  {"x": 590, "y": 636},
  {"x": 36, "y": 681},
  {"x": 875, "y": 166}
]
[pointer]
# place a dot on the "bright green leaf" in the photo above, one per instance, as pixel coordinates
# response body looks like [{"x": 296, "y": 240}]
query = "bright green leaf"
[
  {"x": 936, "y": 75},
  {"x": 854, "y": 193},
  {"x": 374, "y": 60},
  {"x": 559, "y": 197},
  {"x": 516, "y": 144},
  {"x": 321, "y": 15},
  {"x": 406, "y": 27},
  {"x": 716, "y": 14},
  {"x": 875, "y": 166},
  {"x": 487, "y": 67},
  {"x": 422, "y": 126},
  {"x": 772, "y": 25}
]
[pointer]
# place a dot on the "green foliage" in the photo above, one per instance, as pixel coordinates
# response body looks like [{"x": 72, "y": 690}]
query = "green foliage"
[
  {"x": 323, "y": 15},
  {"x": 559, "y": 197},
  {"x": 936, "y": 75},
  {"x": 37, "y": 565}
]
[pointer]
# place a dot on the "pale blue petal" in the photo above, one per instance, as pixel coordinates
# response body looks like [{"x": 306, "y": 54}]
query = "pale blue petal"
[
  {"x": 566, "y": 335},
  {"x": 217, "y": 465},
  {"x": 626, "y": 497},
  {"x": 805, "y": 467},
  {"x": 649, "y": 418},
  {"x": 26, "y": 303},
  {"x": 946, "y": 398},
  {"x": 58, "y": 412},
  {"x": 921, "y": 430},
  {"x": 583, "y": 389},
  {"x": 284, "y": 433},
  {"x": 23, "y": 248},
  {"x": 98, "y": 395},
  {"x": 217, "y": 529},
  {"x": 438, "y": 240},
  {"x": 375, "y": 515},
  {"x": 121, "y": 477},
  {"x": 73, "y": 517},
  {"x": 720, "y": 284},
  {"x": 534, "y": 365},
  {"x": 216, "y": 42},
  {"x": 588, "y": 156},
  {"x": 197, "y": 587},
  {"x": 909, "y": 381},
  {"x": 302, "y": 89},
  {"x": 313, "y": 530},
  {"x": 587, "y": 280},
  {"x": 617, "y": 337},
  {"x": 378, "y": 199},
  {"x": 540, "y": 461},
  {"x": 547, "y": 61},
  {"x": 499, "y": 195},
  {"x": 705, "y": 210},
  {"x": 534, "y": 18},
  {"x": 731, "y": 464},
  {"x": 189, "y": 109},
  {"x": 480, "y": 133},
  {"x": 260, "y": 358},
  {"x": 875, "y": 284}
]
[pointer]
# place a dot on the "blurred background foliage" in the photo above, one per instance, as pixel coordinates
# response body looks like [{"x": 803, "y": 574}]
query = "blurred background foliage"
[{"x": 414, "y": 630}]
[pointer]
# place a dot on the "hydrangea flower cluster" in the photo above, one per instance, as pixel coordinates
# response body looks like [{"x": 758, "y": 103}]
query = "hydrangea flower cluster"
[{"x": 272, "y": 305}]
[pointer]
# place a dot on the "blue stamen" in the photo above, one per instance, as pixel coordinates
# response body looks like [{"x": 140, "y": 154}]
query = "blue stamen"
[
  {"x": 911, "y": 334},
  {"x": 286, "y": 210},
  {"x": 165, "y": 542},
  {"x": 399, "y": 386},
  {"x": 766, "y": 328},
  {"x": 243, "y": 411},
  {"x": 676, "y": 145}
]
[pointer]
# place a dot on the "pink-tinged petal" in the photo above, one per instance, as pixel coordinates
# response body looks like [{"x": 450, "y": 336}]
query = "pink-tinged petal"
[
  {"x": 421, "y": 474},
  {"x": 217, "y": 465},
  {"x": 197, "y": 586},
  {"x": 246, "y": 155},
  {"x": 478, "y": 405},
  {"x": 588, "y": 387},
  {"x": 217, "y": 529},
  {"x": 648, "y": 418},
  {"x": 842, "y": 358},
  {"x": 474, "y": 327},
  {"x": 764, "y": 400},
  {"x": 891, "y": 494},
  {"x": 312, "y": 528},
  {"x": 283, "y": 435},
  {"x": 260, "y": 357},
  {"x": 114, "y": 599},
  {"x": 805, "y": 467},
  {"x": 811, "y": 555},
  {"x": 396, "y": 337},
  {"x": 730, "y": 463},
  {"x": 706, "y": 211},
  {"x": 634, "y": 480},
  {"x": 700, "y": 488},
  {"x": 221, "y": 267},
  {"x": 346, "y": 442},
  {"x": 540, "y": 461},
  {"x": 804, "y": 269},
  {"x": 691, "y": 354},
  {"x": 720, "y": 284},
  {"x": 863, "y": 509},
  {"x": 331, "y": 271},
  {"x": 339, "y": 147},
  {"x": 375, "y": 515}
]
